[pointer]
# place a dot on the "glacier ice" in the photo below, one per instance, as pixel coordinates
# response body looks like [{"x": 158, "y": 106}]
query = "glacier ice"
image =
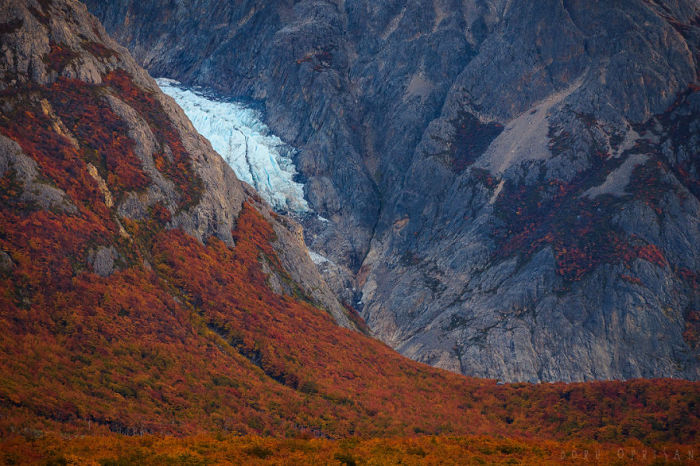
[{"x": 238, "y": 134}]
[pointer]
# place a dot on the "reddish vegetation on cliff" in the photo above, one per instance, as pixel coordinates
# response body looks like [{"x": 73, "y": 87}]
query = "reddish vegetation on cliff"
[
  {"x": 542, "y": 215},
  {"x": 176, "y": 166}
]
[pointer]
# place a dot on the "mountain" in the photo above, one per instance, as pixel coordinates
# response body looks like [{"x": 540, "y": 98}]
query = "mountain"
[
  {"x": 146, "y": 290},
  {"x": 512, "y": 187}
]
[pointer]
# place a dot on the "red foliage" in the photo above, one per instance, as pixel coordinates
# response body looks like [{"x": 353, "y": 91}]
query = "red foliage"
[
  {"x": 59, "y": 57},
  {"x": 57, "y": 159},
  {"x": 653, "y": 254},
  {"x": 175, "y": 165},
  {"x": 101, "y": 133},
  {"x": 631, "y": 279},
  {"x": 554, "y": 215},
  {"x": 573, "y": 263},
  {"x": 10, "y": 187},
  {"x": 689, "y": 276},
  {"x": 578, "y": 228},
  {"x": 692, "y": 329},
  {"x": 160, "y": 213}
]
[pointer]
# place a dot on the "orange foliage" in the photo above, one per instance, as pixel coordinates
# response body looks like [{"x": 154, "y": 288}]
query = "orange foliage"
[
  {"x": 227, "y": 449},
  {"x": 653, "y": 254},
  {"x": 101, "y": 133}
]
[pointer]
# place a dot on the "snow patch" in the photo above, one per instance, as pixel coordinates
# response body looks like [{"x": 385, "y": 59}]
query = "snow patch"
[
  {"x": 238, "y": 134},
  {"x": 631, "y": 137},
  {"x": 440, "y": 14},
  {"x": 393, "y": 24}
]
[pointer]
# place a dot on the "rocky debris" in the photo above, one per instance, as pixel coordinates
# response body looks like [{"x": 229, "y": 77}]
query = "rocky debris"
[
  {"x": 616, "y": 181},
  {"x": 449, "y": 144}
]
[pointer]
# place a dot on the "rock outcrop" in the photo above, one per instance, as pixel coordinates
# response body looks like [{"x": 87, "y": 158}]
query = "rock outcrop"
[{"x": 512, "y": 187}]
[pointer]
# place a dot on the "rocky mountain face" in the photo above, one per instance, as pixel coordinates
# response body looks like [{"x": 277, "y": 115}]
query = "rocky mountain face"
[{"x": 512, "y": 187}]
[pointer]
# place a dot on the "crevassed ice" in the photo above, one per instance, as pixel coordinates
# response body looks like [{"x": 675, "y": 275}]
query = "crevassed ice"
[{"x": 237, "y": 133}]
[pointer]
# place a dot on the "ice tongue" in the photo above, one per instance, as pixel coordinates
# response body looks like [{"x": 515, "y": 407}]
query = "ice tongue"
[{"x": 237, "y": 133}]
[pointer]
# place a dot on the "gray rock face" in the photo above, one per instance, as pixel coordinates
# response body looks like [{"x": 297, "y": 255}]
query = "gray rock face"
[
  {"x": 512, "y": 187},
  {"x": 102, "y": 260},
  {"x": 23, "y": 171},
  {"x": 6, "y": 263},
  {"x": 39, "y": 48}
]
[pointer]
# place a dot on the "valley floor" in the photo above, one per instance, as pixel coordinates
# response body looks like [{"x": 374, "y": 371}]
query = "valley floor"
[{"x": 116, "y": 449}]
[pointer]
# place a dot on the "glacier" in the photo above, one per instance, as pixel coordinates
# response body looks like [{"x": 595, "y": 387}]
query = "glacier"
[{"x": 239, "y": 135}]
